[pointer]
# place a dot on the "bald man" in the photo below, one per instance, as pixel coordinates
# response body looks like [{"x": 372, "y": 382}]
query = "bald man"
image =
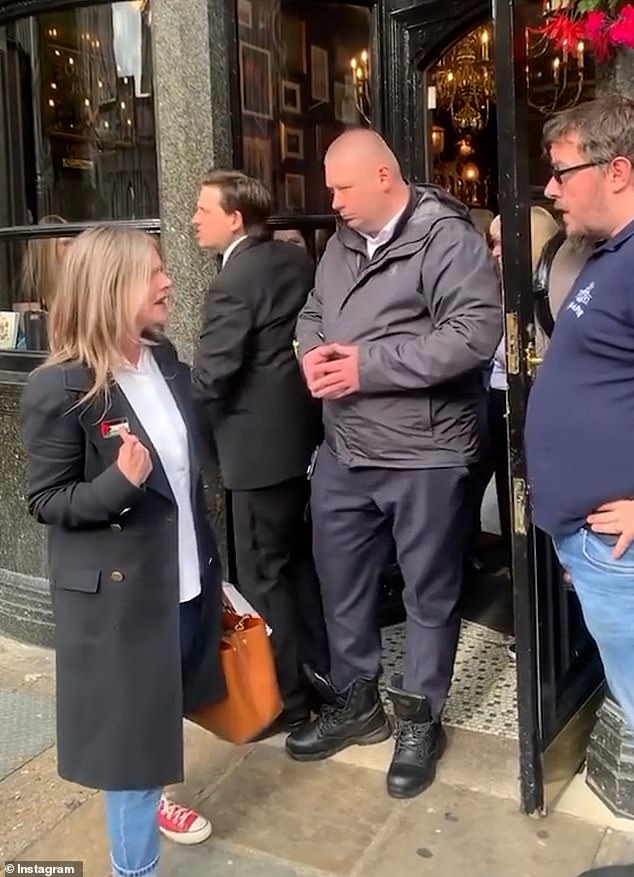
[{"x": 404, "y": 316}]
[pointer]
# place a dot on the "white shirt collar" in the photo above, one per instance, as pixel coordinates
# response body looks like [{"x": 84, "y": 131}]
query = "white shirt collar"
[
  {"x": 231, "y": 248},
  {"x": 384, "y": 235}
]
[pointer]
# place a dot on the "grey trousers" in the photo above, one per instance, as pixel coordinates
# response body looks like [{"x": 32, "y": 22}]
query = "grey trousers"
[{"x": 358, "y": 515}]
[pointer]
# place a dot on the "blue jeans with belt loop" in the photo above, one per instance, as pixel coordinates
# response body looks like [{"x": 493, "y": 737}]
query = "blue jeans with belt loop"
[
  {"x": 131, "y": 816},
  {"x": 605, "y": 588}
]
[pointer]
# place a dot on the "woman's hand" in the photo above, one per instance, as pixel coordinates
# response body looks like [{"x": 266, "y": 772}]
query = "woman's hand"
[{"x": 134, "y": 459}]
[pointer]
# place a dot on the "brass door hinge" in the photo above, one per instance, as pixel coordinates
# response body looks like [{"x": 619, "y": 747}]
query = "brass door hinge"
[
  {"x": 512, "y": 339},
  {"x": 520, "y": 507}
]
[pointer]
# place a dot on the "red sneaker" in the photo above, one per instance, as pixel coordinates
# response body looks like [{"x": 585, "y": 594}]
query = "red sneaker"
[{"x": 182, "y": 824}]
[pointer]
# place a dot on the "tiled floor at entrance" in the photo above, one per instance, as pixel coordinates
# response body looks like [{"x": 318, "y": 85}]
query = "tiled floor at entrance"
[
  {"x": 483, "y": 696},
  {"x": 483, "y": 693}
]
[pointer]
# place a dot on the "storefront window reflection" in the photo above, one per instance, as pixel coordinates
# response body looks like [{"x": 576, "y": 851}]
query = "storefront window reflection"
[
  {"x": 77, "y": 134},
  {"x": 304, "y": 78},
  {"x": 34, "y": 266}
]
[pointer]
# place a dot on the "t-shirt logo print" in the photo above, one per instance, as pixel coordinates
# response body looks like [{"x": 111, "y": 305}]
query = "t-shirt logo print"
[{"x": 581, "y": 300}]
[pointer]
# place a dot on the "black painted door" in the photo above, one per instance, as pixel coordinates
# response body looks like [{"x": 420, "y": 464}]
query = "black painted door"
[{"x": 559, "y": 674}]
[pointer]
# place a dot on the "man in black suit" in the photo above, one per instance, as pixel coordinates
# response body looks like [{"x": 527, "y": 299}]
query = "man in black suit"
[{"x": 264, "y": 423}]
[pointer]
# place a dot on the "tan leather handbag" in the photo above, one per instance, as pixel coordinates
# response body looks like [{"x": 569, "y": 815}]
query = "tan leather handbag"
[{"x": 253, "y": 698}]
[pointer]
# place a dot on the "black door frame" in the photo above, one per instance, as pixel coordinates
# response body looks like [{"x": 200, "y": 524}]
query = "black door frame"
[
  {"x": 414, "y": 38},
  {"x": 514, "y": 204}
]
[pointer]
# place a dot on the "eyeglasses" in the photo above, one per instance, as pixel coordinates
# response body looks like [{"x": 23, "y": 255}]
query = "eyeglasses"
[{"x": 558, "y": 173}]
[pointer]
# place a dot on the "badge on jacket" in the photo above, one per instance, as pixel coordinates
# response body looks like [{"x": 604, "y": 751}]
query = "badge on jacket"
[{"x": 112, "y": 428}]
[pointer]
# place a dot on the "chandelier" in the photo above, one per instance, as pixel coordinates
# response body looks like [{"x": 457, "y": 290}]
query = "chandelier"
[
  {"x": 465, "y": 81},
  {"x": 554, "y": 79}
]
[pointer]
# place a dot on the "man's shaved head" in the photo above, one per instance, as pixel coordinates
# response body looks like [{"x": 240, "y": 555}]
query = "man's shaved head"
[
  {"x": 365, "y": 146},
  {"x": 365, "y": 179}
]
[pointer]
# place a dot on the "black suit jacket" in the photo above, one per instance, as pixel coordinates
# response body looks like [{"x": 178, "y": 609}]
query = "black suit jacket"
[{"x": 246, "y": 377}]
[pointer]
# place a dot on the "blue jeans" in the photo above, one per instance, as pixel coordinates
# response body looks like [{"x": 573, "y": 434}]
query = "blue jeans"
[
  {"x": 131, "y": 815},
  {"x": 605, "y": 588}
]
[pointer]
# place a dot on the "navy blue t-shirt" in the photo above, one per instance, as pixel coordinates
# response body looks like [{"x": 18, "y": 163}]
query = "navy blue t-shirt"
[{"x": 579, "y": 433}]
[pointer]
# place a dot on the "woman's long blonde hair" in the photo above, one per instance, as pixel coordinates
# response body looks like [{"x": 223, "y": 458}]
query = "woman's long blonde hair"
[
  {"x": 543, "y": 227},
  {"x": 105, "y": 275},
  {"x": 41, "y": 267}
]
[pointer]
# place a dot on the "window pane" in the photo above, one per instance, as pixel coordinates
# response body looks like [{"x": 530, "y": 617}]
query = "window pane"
[
  {"x": 299, "y": 90},
  {"x": 28, "y": 274},
  {"x": 77, "y": 134}
]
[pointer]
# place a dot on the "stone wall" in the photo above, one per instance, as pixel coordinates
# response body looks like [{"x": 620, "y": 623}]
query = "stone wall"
[{"x": 24, "y": 602}]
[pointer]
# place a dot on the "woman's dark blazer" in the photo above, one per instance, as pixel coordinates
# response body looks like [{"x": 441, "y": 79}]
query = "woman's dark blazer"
[{"x": 113, "y": 568}]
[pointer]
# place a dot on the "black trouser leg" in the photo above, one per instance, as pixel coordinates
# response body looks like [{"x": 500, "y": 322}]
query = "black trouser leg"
[
  {"x": 352, "y": 543},
  {"x": 430, "y": 514},
  {"x": 276, "y": 576},
  {"x": 305, "y": 589}
]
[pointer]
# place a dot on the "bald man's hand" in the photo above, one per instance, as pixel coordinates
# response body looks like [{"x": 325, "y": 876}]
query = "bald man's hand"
[
  {"x": 338, "y": 375},
  {"x": 311, "y": 361}
]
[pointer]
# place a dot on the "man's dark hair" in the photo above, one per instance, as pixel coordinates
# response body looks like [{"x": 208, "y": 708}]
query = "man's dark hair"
[{"x": 239, "y": 192}]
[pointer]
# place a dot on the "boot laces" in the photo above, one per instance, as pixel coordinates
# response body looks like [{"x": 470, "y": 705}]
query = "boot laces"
[
  {"x": 415, "y": 735},
  {"x": 330, "y": 717}
]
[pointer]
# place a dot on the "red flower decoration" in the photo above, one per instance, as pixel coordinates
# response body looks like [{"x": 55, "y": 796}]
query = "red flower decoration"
[
  {"x": 596, "y": 32},
  {"x": 621, "y": 30},
  {"x": 562, "y": 31}
]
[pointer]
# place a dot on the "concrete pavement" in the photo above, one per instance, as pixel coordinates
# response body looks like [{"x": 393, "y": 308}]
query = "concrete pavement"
[{"x": 276, "y": 818}]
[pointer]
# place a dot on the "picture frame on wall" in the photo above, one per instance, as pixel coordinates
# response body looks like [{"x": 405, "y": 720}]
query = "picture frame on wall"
[
  {"x": 256, "y": 87},
  {"x": 9, "y": 323},
  {"x": 294, "y": 43},
  {"x": 344, "y": 105},
  {"x": 245, "y": 13},
  {"x": 342, "y": 57},
  {"x": 295, "y": 192},
  {"x": 338, "y": 100},
  {"x": 324, "y": 135},
  {"x": 257, "y": 159},
  {"x": 291, "y": 97},
  {"x": 291, "y": 142},
  {"x": 319, "y": 74}
]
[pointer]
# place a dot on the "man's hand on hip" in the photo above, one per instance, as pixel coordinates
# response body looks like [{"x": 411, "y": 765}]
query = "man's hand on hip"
[
  {"x": 338, "y": 375},
  {"x": 615, "y": 519}
]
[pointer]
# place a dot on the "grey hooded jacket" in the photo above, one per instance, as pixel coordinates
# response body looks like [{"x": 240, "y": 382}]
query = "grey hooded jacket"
[{"x": 426, "y": 314}]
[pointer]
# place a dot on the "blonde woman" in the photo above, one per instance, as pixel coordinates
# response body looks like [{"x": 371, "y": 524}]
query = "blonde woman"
[{"x": 133, "y": 565}]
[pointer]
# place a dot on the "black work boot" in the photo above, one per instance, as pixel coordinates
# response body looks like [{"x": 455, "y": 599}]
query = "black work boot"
[
  {"x": 420, "y": 741},
  {"x": 355, "y": 717}
]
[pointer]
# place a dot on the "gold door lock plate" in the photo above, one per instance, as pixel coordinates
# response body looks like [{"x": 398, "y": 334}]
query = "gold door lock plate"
[{"x": 520, "y": 507}]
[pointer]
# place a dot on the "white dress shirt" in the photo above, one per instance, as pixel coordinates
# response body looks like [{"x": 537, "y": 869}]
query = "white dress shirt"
[
  {"x": 498, "y": 375},
  {"x": 374, "y": 241},
  {"x": 147, "y": 392},
  {"x": 231, "y": 248}
]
